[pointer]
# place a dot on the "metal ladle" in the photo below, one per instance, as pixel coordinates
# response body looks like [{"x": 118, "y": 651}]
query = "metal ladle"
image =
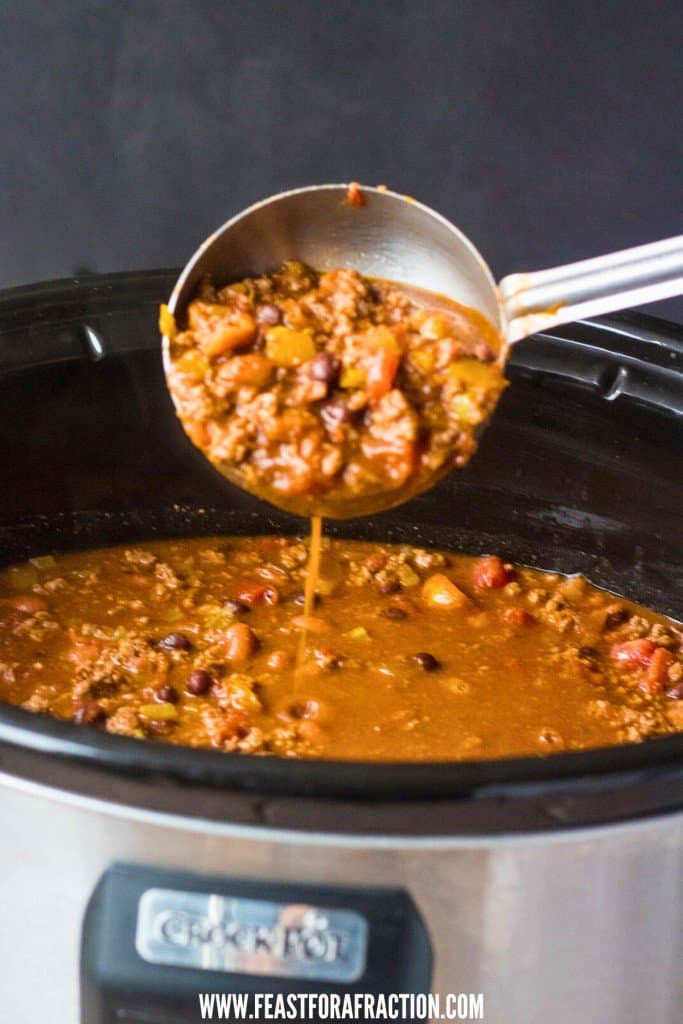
[{"x": 394, "y": 237}]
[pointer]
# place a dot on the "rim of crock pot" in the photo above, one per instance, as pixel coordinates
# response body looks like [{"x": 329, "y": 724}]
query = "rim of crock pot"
[
  {"x": 520, "y": 795},
  {"x": 262, "y": 833}
]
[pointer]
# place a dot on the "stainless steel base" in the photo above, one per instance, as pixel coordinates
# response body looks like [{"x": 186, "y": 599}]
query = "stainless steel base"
[{"x": 576, "y": 928}]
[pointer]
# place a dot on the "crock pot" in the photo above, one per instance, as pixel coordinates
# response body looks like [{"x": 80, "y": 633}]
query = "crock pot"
[{"x": 134, "y": 875}]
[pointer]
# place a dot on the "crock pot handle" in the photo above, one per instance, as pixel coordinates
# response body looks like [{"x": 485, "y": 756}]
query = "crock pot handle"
[{"x": 535, "y": 301}]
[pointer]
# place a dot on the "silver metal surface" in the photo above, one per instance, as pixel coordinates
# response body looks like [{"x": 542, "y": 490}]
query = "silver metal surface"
[
  {"x": 580, "y": 926},
  {"x": 391, "y": 236},
  {"x": 259, "y": 937},
  {"x": 395, "y": 237},
  {"x": 534, "y": 302}
]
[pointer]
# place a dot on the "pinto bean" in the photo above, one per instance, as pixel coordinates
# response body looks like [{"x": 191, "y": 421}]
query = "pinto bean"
[
  {"x": 240, "y": 642},
  {"x": 279, "y": 660},
  {"x": 311, "y": 623},
  {"x": 29, "y": 603}
]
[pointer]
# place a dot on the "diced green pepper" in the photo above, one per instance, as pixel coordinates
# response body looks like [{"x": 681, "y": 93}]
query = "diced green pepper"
[
  {"x": 160, "y": 712},
  {"x": 193, "y": 364},
  {"x": 167, "y": 324},
  {"x": 424, "y": 359},
  {"x": 217, "y": 617},
  {"x": 43, "y": 562},
  {"x": 475, "y": 373},
  {"x": 23, "y": 577},
  {"x": 352, "y": 377},
  {"x": 466, "y": 410},
  {"x": 407, "y": 575},
  {"x": 358, "y": 633}
]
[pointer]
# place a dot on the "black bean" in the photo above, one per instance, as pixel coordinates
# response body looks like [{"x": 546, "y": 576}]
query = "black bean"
[
  {"x": 166, "y": 694},
  {"x": 305, "y": 709},
  {"x": 89, "y": 713},
  {"x": 198, "y": 681},
  {"x": 300, "y": 598},
  {"x": 236, "y": 607},
  {"x": 616, "y": 618},
  {"x": 175, "y": 642},
  {"x": 427, "y": 661},
  {"x": 394, "y": 612},
  {"x": 676, "y": 692},
  {"x": 324, "y": 367},
  {"x": 589, "y": 653},
  {"x": 390, "y": 587},
  {"x": 269, "y": 313}
]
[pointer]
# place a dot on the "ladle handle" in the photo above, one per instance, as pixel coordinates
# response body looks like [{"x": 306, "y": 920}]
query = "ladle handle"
[{"x": 542, "y": 299}]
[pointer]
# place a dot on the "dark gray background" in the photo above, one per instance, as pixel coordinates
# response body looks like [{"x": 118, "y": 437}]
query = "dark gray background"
[{"x": 547, "y": 129}]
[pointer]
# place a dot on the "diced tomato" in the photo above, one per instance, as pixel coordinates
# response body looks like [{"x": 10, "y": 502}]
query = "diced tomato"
[
  {"x": 490, "y": 573},
  {"x": 655, "y": 676},
  {"x": 633, "y": 653},
  {"x": 354, "y": 196},
  {"x": 440, "y": 592},
  {"x": 381, "y": 372},
  {"x": 517, "y": 618},
  {"x": 256, "y": 592}
]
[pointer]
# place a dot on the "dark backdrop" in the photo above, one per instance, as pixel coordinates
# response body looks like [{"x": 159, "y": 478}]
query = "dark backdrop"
[{"x": 546, "y": 129}]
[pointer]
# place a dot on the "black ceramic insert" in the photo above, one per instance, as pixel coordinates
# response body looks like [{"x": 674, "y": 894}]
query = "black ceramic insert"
[{"x": 580, "y": 470}]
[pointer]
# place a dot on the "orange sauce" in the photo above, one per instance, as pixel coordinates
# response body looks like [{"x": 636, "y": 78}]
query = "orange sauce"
[{"x": 310, "y": 585}]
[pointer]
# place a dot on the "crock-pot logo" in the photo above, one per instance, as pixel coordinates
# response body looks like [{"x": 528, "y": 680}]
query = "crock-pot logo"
[
  {"x": 252, "y": 936},
  {"x": 311, "y": 940}
]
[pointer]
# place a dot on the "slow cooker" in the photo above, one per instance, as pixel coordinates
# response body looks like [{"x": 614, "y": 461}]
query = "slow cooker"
[{"x": 550, "y": 886}]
